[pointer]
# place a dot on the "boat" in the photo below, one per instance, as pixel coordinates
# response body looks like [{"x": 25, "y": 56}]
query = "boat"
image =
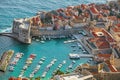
[
  {"x": 19, "y": 55},
  {"x": 69, "y": 41},
  {"x": 25, "y": 67},
  {"x": 20, "y": 75},
  {"x": 43, "y": 59},
  {"x": 60, "y": 65},
  {"x": 40, "y": 62},
  {"x": 11, "y": 68},
  {"x": 70, "y": 66},
  {"x": 54, "y": 60},
  {"x": 28, "y": 62},
  {"x": 31, "y": 75},
  {"x": 64, "y": 61},
  {"x": 84, "y": 51},
  {"x": 48, "y": 67},
  {"x": 29, "y": 59},
  {"x": 13, "y": 63},
  {"x": 32, "y": 56},
  {"x": 42, "y": 41},
  {"x": 74, "y": 56},
  {"x": 44, "y": 74},
  {"x": 73, "y": 46},
  {"x": 37, "y": 67},
  {"x": 37, "y": 40},
  {"x": 88, "y": 61},
  {"x": 73, "y": 62}
]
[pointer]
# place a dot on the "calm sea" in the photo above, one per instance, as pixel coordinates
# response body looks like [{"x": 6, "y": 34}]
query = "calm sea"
[{"x": 10, "y": 9}]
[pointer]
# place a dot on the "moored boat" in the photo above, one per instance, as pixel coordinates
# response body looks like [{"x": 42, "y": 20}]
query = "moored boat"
[{"x": 74, "y": 56}]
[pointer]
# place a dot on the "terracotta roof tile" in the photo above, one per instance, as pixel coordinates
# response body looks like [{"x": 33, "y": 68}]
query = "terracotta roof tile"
[
  {"x": 106, "y": 34},
  {"x": 94, "y": 10},
  {"x": 112, "y": 17},
  {"x": 100, "y": 43},
  {"x": 100, "y": 16},
  {"x": 104, "y": 55},
  {"x": 118, "y": 25},
  {"x": 83, "y": 6}
]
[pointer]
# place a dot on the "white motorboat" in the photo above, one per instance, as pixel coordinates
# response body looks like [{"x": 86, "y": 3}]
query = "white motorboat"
[
  {"x": 70, "y": 66},
  {"x": 40, "y": 62},
  {"x": 11, "y": 68},
  {"x": 25, "y": 67},
  {"x": 74, "y": 56},
  {"x": 42, "y": 41},
  {"x": 64, "y": 61},
  {"x": 44, "y": 74},
  {"x": 73, "y": 62},
  {"x": 31, "y": 75}
]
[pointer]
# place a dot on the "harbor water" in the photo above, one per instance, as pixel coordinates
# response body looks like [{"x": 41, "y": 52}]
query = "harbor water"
[
  {"x": 10, "y": 9},
  {"x": 50, "y": 49}
]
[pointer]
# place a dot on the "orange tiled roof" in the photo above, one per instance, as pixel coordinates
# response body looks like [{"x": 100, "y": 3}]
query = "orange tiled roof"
[
  {"x": 100, "y": 16},
  {"x": 106, "y": 34},
  {"x": 118, "y": 25},
  {"x": 94, "y": 10},
  {"x": 83, "y": 6},
  {"x": 105, "y": 11},
  {"x": 111, "y": 67},
  {"x": 96, "y": 39},
  {"x": 116, "y": 29},
  {"x": 100, "y": 43},
  {"x": 112, "y": 17},
  {"x": 104, "y": 55}
]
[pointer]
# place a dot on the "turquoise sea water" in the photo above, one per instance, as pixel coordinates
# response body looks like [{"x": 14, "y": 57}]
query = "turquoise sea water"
[
  {"x": 10, "y": 9},
  {"x": 50, "y": 49}
]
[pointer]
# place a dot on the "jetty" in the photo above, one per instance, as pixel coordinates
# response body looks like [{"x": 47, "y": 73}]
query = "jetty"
[
  {"x": 78, "y": 56},
  {"x": 5, "y": 58}
]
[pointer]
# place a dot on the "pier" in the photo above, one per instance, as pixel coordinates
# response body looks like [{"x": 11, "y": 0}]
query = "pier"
[
  {"x": 79, "y": 38},
  {"x": 86, "y": 56},
  {"x": 78, "y": 56},
  {"x": 10, "y": 34}
]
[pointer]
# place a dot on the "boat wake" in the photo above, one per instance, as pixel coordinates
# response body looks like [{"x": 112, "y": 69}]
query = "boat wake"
[{"x": 6, "y": 29}]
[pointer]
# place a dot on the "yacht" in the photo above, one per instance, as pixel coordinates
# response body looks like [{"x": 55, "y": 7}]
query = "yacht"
[
  {"x": 11, "y": 68},
  {"x": 40, "y": 62},
  {"x": 64, "y": 61},
  {"x": 74, "y": 56},
  {"x": 31, "y": 75},
  {"x": 44, "y": 74}
]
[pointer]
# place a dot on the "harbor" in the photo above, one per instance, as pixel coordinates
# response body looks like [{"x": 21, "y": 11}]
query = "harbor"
[
  {"x": 44, "y": 59},
  {"x": 75, "y": 42}
]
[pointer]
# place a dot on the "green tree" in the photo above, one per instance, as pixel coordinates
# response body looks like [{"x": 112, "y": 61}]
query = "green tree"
[
  {"x": 118, "y": 16},
  {"x": 58, "y": 72},
  {"x": 37, "y": 78}
]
